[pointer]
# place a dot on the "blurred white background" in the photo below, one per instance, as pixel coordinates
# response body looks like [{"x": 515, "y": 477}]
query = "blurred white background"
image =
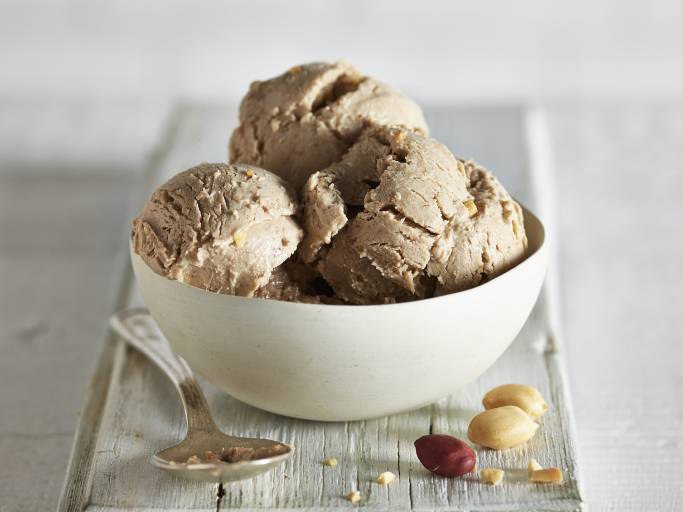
[
  {"x": 435, "y": 50},
  {"x": 87, "y": 87},
  {"x": 137, "y": 57}
]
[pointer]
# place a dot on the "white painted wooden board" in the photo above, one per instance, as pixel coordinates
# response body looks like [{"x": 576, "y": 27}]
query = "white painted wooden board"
[
  {"x": 59, "y": 247},
  {"x": 133, "y": 411}
]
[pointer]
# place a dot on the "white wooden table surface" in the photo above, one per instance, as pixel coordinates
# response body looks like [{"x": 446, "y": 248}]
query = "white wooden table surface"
[
  {"x": 111, "y": 469},
  {"x": 618, "y": 172}
]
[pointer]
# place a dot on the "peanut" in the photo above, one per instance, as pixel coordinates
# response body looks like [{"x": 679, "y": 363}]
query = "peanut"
[
  {"x": 445, "y": 455},
  {"x": 385, "y": 478},
  {"x": 240, "y": 238},
  {"x": 533, "y": 466},
  {"x": 353, "y": 497},
  {"x": 471, "y": 207},
  {"x": 461, "y": 168},
  {"x": 330, "y": 461},
  {"x": 398, "y": 135},
  {"x": 547, "y": 476},
  {"x": 492, "y": 476},
  {"x": 501, "y": 428},
  {"x": 527, "y": 398}
]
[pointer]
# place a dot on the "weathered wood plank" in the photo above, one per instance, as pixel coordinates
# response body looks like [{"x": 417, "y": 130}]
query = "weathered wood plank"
[
  {"x": 78, "y": 483},
  {"x": 58, "y": 253},
  {"x": 143, "y": 414}
]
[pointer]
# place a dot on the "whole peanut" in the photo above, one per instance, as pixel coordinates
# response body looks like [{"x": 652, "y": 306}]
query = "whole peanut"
[
  {"x": 527, "y": 398},
  {"x": 501, "y": 428},
  {"x": 445, "y": 455}
]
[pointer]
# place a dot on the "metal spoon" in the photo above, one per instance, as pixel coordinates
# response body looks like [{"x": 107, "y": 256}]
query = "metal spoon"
[{"x": 206, "y": 453}]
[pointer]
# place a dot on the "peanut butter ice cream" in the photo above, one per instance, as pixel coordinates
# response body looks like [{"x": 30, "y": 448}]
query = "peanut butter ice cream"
[
  {"x": 305, "y": 119},
  {"x": 398, "y": 218},
  {"x": 220, "y": 227},
  {"x": 389, "y": 214},
  {"x": 489, "y": 242}
]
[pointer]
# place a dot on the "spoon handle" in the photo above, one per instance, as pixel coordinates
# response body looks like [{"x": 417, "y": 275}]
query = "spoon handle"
[{"x": 137, "y": 327}]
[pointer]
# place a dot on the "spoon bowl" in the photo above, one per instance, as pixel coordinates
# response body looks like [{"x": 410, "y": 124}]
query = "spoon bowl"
[{"x": 199, "y": 444}]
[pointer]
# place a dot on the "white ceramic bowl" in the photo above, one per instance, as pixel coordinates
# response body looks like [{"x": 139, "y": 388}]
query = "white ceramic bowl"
[{"x": 332, "y": 363}]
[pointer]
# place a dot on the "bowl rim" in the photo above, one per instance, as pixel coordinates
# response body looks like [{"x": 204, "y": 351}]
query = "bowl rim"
[{"x": 528, "y": 260}]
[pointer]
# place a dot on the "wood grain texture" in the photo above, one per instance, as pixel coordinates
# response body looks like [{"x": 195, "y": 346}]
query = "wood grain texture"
[
  {"x": 79, "y": 474},
  {"x": 143, "y": 413},
  {"x": 59, "y": 247},
  {"x": 69, "y": 173},
  {"x": 619, "y": 181},
  {"x": 623, "y": 353}
]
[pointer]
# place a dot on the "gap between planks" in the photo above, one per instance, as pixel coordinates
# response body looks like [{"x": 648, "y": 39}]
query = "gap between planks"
[{"x": 78, "y": 478}]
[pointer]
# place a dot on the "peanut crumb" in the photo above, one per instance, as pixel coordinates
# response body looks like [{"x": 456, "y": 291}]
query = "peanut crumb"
[
  {"x": 515, "y": 229},
  {"x": 353, "y": 497},
  {"x": 471, "y": 207},
  {"x": 533, "y": 466},
  {"x": 461, "y": 168},
  {"x": 330, "y": 461},
  {"x": 492, "y": 476},
  {"x": 211, "y": 456},
  {"x": 398, "y": 135},
  {"x": 386, "y": 478},
  {"x": 239, "y": 238},
  {"x": 249, "y": 172},
  {"x": 194, "y": 460},
  {"x": 547, "y": 476}
]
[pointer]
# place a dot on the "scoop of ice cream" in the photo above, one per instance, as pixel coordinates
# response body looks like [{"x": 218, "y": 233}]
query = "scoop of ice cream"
[
  {"x": 390, "y": 220},
  {"x": 304, "y": 120},
  {"x": 490, "y": 242},
  {"x": 220, "y": 227}
]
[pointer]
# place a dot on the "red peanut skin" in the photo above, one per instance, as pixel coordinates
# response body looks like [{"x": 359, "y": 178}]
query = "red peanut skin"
[{"x": 445, "y": 455}]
